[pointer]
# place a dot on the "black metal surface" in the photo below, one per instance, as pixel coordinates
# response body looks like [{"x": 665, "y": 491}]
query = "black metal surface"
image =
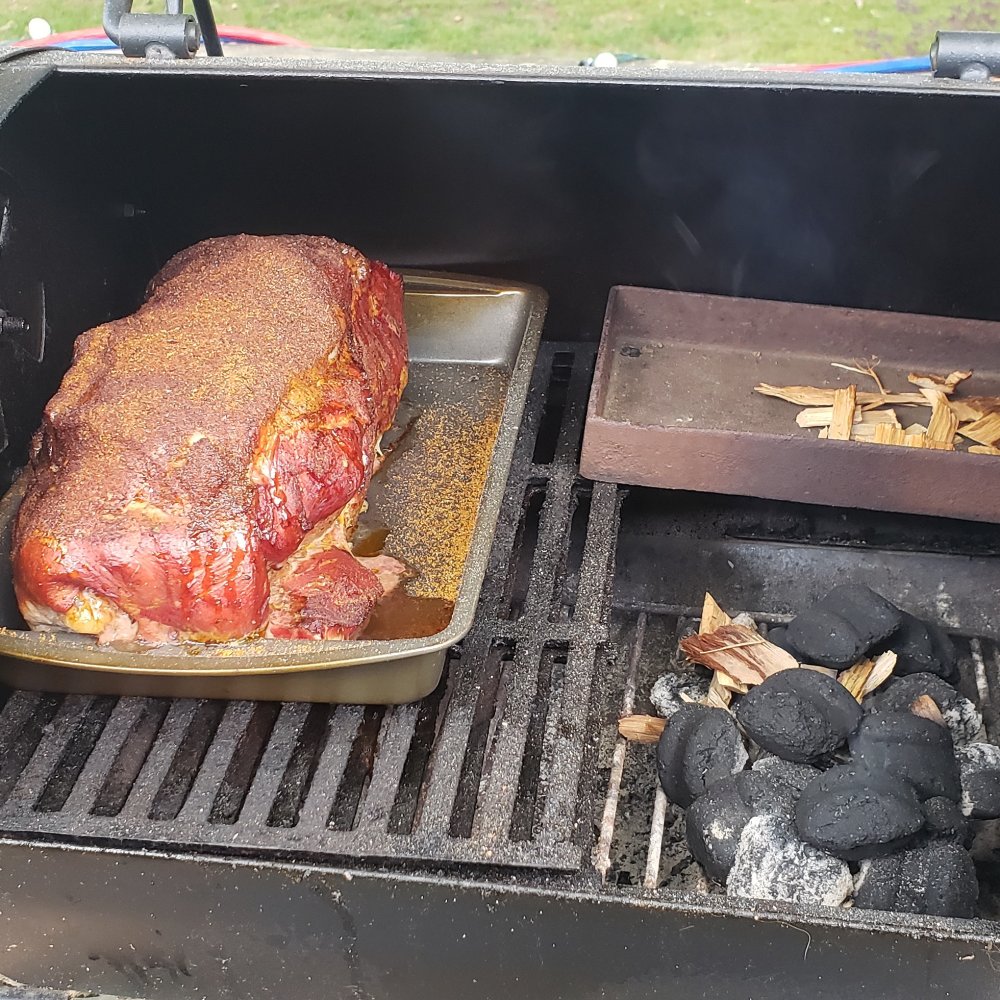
[
  {"x": 486, "y": 771},
  {"x": 178, "y": 928}
]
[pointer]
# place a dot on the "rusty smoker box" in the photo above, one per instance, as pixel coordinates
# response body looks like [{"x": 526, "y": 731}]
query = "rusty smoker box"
[
  {"x": 465, "y": 824},
  {"x": 673, "y": 402}
]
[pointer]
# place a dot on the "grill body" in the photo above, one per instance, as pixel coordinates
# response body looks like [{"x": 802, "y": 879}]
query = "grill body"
[{"x": 179, "y": 848}]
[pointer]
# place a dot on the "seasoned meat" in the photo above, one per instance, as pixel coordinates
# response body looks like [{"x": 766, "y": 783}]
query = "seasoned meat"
[{"x": 195, "y": 446}]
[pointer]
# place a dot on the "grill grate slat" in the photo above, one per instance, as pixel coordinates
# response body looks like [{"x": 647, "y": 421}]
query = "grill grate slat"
[
  {"x": 208, "y": 774},
  {"x": 486, "y": 770},
  {"x": 274, "y": 763},
  {"x": 499, "y": 788},
  {"x": 55, "y": 738},
  {"x": 342, "y": 729},
  {"x": 394, "y": 742},
  {"x": 153, "y": 773}
]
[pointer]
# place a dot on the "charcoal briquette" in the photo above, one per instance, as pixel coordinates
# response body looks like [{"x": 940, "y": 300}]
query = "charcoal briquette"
[
  {"x": 778, "y": 636},
  {"x": 922, "y": 648},
  {"x": 963, "y": 719},
  {"x": 799, "y": 715},
  {"x": 916, "y": 750},
  {"x": 936, "y": 877},
  {"x": 826, "y": 639},
  {"x": 853, "y": 812},
  {"x": 943, "y": 820},
  {"x": 699, "y": 746},
  {"x": 715, "y": 820},
  {"x": 979, "y": 765},
  {"x": 772, "y": 863},
  {"x": 944, "y": 648},
  {"x": 869, "y": 614}
]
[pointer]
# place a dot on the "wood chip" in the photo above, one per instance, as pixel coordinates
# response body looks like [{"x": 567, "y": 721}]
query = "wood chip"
[
  {"x": 641, "y": 728},
  {"x": 844, "y": 405},
  {"x": 870, "y": 419},
  {"x": 887, "y": 416},
  {"x": 983, "y": 449},
  {"x": 866, "y": 675},
  {"x": 723, "y": 687},
  {"x": 815, "y": 416},
  {"x": 974, "y": 407},
  {"x": 927, "y": 708},
  {"x": 885, "y": 664},
  {"x": 808, "y": 395},
  {"x": 829, "y": 671},
  {"x": 738, "y": 651},
  {"x": 915, "y": 441},
  {"x": 985, "y": 430},
  {"x": 887, "y": 434},
  {"x": 822, "y": 416},
  {"x": 944, "y": 422},
  {"x": 916, "y": 429},
  {"x": 719, "y": 695},
  {"x": 944, "y": 383},
  {"x": 854, "y": 678},
  {"x": 712, "y": 615}
]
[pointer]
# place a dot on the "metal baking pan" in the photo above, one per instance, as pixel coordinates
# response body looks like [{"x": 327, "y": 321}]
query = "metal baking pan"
[
  {"x": 672, "y": 404},
  {"x": 472, "y": 349}
]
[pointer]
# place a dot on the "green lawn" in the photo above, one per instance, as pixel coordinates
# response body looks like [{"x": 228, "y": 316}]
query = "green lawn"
[{"x": 768, "y": 31}]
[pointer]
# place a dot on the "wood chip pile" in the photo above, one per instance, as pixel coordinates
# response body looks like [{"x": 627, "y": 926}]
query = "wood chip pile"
[{"x": 873, "y": 417}]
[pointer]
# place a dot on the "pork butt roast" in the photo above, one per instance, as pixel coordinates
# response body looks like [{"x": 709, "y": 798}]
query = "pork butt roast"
[{"x": 200, "y": 472}]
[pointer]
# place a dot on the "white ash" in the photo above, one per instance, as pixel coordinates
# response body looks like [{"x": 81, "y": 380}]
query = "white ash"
[
  {"x": 672, "y": 690},
  {"x": 963, "y": 719},
  {"x": 795, "y": 776},
  {"x": 976, "y": 762},
  {"x": 745, "y": 620},
  {"x": 773, "y": 864},
  {"x": 859, "y": 879}
]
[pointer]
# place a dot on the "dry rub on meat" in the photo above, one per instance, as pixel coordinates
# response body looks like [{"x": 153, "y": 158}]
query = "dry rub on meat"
[{"x": 200, "y": 471}]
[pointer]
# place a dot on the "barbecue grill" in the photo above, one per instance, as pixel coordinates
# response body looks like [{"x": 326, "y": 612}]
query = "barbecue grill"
[{"x": 497, "y": 836}]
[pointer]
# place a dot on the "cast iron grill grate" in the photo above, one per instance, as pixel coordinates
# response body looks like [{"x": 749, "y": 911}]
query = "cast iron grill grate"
[{"x": 485, "y": 770}]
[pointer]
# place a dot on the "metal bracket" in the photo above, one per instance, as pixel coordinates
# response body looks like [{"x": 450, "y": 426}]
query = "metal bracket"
[
  {"x": 169, "y": 35},
  {"x": 966, "y": 55}
]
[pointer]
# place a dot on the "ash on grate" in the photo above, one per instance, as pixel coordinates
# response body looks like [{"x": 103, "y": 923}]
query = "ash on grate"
[{"x": 886, "y": 778}]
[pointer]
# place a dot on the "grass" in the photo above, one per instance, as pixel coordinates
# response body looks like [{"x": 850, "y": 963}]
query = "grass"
[{"x": 763, "y": 31}]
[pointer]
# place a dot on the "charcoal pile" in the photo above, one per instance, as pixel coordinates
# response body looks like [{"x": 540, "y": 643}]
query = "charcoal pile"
[{"x": 831, "y": 762}]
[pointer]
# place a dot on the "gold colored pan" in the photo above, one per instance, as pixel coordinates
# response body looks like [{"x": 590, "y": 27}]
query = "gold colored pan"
[{"x": 435, "y": 504}]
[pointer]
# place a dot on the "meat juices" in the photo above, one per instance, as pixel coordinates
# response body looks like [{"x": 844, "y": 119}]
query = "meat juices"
[{"x": 201, "y": 469}]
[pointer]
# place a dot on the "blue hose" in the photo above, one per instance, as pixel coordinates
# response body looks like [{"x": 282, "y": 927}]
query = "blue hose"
[{"x": 908, "y": 64}]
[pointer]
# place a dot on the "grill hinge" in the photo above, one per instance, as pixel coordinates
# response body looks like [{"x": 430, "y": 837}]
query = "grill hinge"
[{"x": 171, "y": 34}]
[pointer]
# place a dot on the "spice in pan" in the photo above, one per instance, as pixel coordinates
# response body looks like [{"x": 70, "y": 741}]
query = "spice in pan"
[{"x": 436, "y": 487}]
